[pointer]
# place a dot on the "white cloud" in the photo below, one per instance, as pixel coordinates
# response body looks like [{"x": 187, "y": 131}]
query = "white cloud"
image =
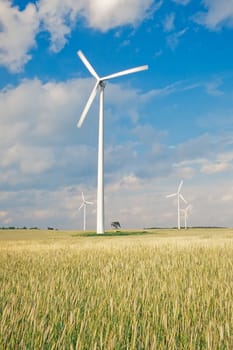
[
  {"x": 32, "y": 160},
  {"x": 60, "y": 16},
  {"x": 18, "y": 28},
  {"x": 4, "y": 218},
  {"x": 42, "y": 151},
  {"x": 40, "y": 137},
  {"x": 125, "y": 183},
  {"x": 227, "y": 198},
  {"x": 17, "y": 34},
  {"x": 205, "y": 154},
  {"x": 105, "y": 14},
  {"x": 48, "y": 158},
  {"x": 185, "y": 172},
  {"x": 33, "y": 126},
  {"x": 190, "y": 162},
  {"x": 212, "y": 168},
  {"x": 147, "y": 134},
  {"x": 219, "y": 13},
  {"x": 226, "y": 156}
]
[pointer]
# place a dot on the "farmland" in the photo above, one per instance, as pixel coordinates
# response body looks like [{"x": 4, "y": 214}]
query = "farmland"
[{"x": 153, "y": 289}]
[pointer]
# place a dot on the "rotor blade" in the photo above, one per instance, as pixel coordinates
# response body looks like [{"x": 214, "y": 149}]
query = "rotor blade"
[
  {"x": 88, "y": 105},
  {"x": 88, "y": 202},
  {"x": 171, "y": 195},
  {"x": 124, "y": 72},
  {"x": 83, "y": 196},
  {"x": 180, "y": 185},
  {"x": 81, "y": 206},
  {"x": 184, "y": 200},
  {"x": 87, "y": 64}
]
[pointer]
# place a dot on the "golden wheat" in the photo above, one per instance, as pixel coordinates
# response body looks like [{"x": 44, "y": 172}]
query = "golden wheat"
[{"x": 150, "y": 291}]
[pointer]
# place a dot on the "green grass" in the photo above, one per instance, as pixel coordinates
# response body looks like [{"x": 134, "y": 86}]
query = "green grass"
[
  {"x": 149, "y": 289},
  {"x": 116, "y": 233}
]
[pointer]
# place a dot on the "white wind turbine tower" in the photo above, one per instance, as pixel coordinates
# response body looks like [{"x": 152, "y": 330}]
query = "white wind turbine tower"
[
  {"x": 179, "y": 195},
  {"x": 186, "y": 211},
  {"x": 84, "y": 206},
  {"x": 100, "y": 85}
]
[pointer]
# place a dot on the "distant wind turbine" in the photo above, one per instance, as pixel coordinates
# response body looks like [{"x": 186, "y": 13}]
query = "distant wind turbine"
[
  {"x": 100, "y": 85},
  {"x": 84, "y": 206},
  {"x": 179, "y": 195},
  {"x": 186, "y": 211}
]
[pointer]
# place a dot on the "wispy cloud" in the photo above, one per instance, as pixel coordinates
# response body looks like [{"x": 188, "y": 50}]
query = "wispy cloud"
[
  {"x": 182, "y": 2},
  {"x": 158, "y": 53},
  {"x": 174, "y": 38},
  {"x": 207, "y": 154},
  {"x": 175, "y": 87},
  {"x": 212, "y": 87},
  {"x": 168, "y": 23}
]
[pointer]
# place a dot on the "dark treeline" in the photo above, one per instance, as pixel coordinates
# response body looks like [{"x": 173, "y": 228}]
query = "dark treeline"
[
  {"x": 182, "y": 227},
  {"x": 25, "y": 228},
  {"x": 18, "y": 228}
]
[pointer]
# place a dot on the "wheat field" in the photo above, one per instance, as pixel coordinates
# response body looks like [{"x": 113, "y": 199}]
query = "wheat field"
[{"x": 154, "y": 289}]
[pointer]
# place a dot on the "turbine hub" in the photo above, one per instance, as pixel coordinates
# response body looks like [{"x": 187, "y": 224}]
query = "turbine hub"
[{"x": 102, "y": 84}]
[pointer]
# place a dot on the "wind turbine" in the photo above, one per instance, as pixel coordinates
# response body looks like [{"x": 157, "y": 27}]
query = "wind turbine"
[
  {"x": 100, "y": 85},
  {"x": 84, "y": 205},
  {"x": 185, "y": 211},
  {"x": 179, "y": 195}
]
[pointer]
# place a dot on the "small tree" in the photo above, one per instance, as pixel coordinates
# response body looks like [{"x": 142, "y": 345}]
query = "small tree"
[{"x": 116, "y": 225}]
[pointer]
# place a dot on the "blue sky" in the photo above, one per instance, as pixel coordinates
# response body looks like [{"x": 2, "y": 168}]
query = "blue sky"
[{"x": 172, "y": 122}]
